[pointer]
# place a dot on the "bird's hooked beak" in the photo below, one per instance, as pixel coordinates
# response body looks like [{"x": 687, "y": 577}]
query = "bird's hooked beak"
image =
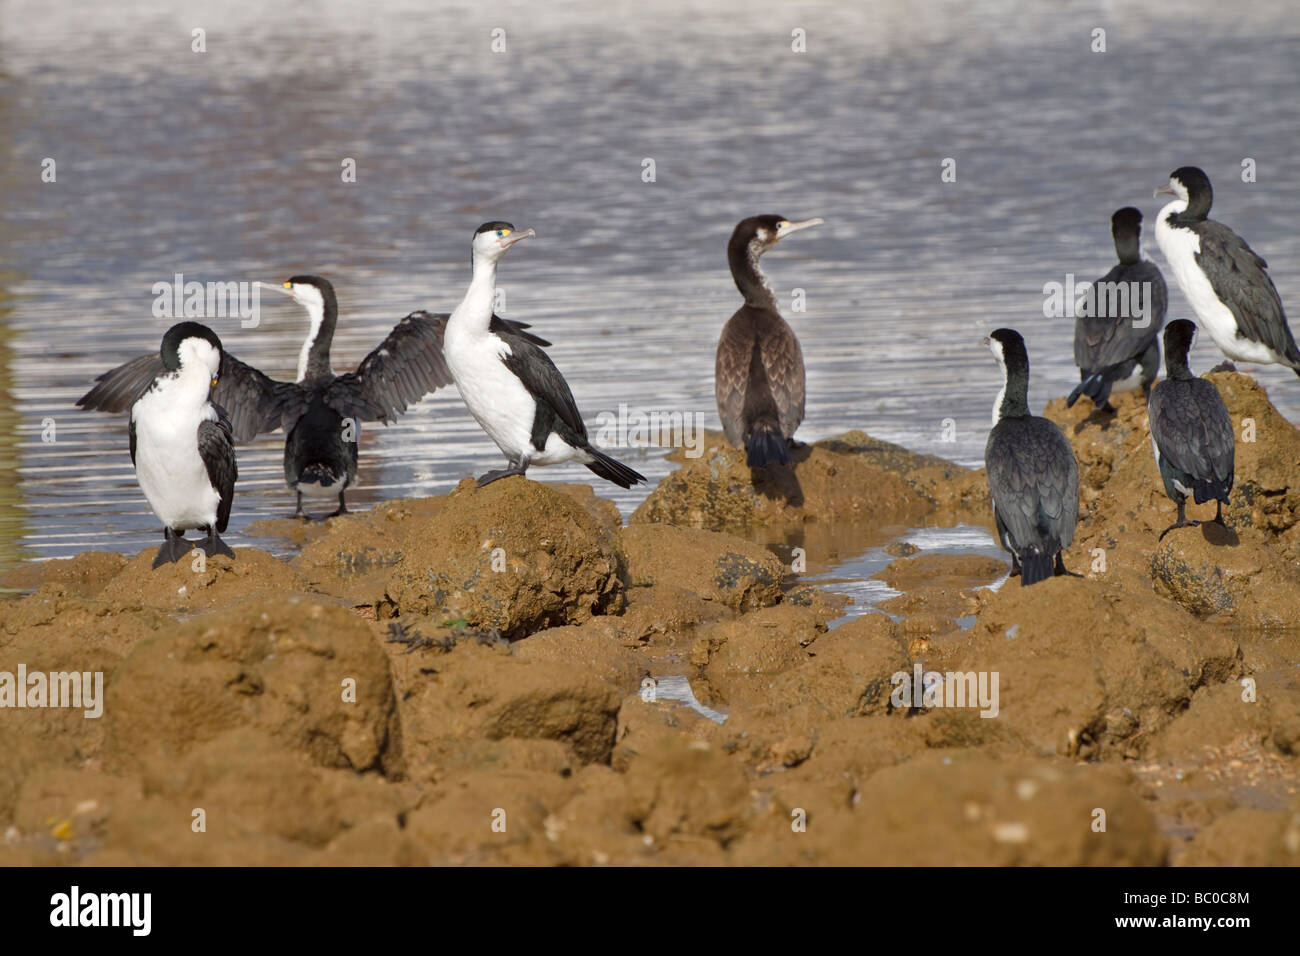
[
  {"x": 784, "y": 229},
  {"x": 1166, "y": 190},
  {"x": 281, "y": 287},
  {"x": 986, "y": 342},
  {"x": 511, "y": 239}
]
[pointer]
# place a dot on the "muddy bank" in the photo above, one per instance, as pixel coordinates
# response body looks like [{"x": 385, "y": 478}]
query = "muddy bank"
[{"x": 493, "y": 676}]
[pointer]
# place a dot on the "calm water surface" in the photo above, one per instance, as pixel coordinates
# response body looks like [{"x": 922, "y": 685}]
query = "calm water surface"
[{"x": 225, "y": 165}]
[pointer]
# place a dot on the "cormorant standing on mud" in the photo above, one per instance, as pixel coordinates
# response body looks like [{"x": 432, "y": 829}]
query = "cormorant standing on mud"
[
  {"x": 759, "y": 373},
  {"x": 1033, "y": 479},
  {"x": 1191, "y": 431}
]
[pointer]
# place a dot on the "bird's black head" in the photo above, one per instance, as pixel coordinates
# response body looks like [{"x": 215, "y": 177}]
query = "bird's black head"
[
  {"x": 1179, "y": 336},
  {"x": 495, "y": 226},
  {"x": 316, "y": 282},
  {"x": 750, "y": 239},
  {"x": 1125, "y": 228},
  {"x": 1192, "y": 178},
  {"x": 1008, "y": 346},
  {"x": 757, "y": 234},
  {"x": 492, "y": 239},
  {"x": 1190, "y": 184},
  {"x": 185, "y": 339}
]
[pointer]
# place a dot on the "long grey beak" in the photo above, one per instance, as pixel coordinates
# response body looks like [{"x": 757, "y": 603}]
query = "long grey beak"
[
  {"x": 275, "y": 287},
  {"x": 509, "y": 241},
  {"x": 1165, "y": 190},
  {"x": 790, "y": 227}
]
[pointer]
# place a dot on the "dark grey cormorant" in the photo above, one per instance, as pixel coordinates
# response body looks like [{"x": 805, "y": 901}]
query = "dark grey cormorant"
[
  {"x": 511, "y": 387},
  {"x": 1191, "y": 431},
  {"x": 1222, "y": 277},
  {"x": 1117, "y": 343},
  {"x": 759, "y": 374},
  {"x": 181, "y": 446},
  {"x": 1033, "y": 479}
]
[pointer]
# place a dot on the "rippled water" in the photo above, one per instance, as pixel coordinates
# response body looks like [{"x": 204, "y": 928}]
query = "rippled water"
[{"x": 225, "y": 165}]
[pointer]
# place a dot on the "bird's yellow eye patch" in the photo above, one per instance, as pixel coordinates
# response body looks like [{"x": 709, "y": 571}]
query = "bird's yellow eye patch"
[
  {"x": 288, "y": 285},
  {"x": 783, "y": 223},
  {"x": 503, "y": 232},
  {"x": 214, "y": 382}
]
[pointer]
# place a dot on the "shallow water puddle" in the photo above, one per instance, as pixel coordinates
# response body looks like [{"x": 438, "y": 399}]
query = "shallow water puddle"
[
  {"x": 678, "y": 687},
  {"x": 855, "y": 576}
]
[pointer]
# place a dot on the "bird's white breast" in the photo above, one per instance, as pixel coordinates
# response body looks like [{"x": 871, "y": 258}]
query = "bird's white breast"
[
  {"x": 494, "y": 395},
  {"x": 167, "y": 463},
  {"x": 1180, "y": 247}
]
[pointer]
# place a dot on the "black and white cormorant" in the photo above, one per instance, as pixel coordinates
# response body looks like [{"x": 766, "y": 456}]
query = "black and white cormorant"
[
  {"x": 1191, "y": 431},
  {"x": 1222, "y": 277},
  {"x": 181, "y": 445},
  {"x": 321, "y": 413},
  {"x": 1033, "y": 479},
  {"x": 511, "y": 386},
  {"x": 759, "y": 374},
  {"x": 1117, "y": 343}
]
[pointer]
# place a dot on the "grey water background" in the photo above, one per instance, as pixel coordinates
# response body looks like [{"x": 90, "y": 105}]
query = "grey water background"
[{"x": 225, "y": 166}]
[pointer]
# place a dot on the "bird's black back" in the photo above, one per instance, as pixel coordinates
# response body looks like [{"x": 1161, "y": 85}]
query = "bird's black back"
[
  {"x": 1034, "y": 482},
  {"x": 1193, "y": 432}
]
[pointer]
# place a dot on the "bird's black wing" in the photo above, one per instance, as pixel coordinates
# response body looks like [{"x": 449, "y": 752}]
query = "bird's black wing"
[
  {"x": 1192, "y": 429},
  {"x": 405, "y": 367},
  {"x": 499, "y": 325},
  {"x": 782, "y": 362},
  {"x": 217, "y": 449},
  {"x": 1112, "y": 336},
  {"x": 131, "y": 432},
  {"x": 1033, "y": 481},
  {"x": 543, "y": 380},
  {"x": 400, "y": 371},
  {"x": 1239, "y": 278},
  {"x": 256, "y": 402},
  {"x": 120, "y": 388}
]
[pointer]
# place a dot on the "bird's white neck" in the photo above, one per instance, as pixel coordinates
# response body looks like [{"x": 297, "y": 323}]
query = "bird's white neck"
[
  {"x": 474, "y": 314},
  {"x": 185, "y": 389},
  {"x": 1172, "y": 209}
]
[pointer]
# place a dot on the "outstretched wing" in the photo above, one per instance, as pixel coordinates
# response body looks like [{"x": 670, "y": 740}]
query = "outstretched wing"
[
  {"x": 400, "y": 371},
  {"x": 256, "y": 402},
  {"x": 217, "y": 449},
  {"x": 405, "y": 367},
  {"x": 120, "y": 388},
  {"x": 1241, "y": 282}
]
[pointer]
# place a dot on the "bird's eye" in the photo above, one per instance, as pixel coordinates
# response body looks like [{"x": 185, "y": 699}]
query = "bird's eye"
[{"x": 503, "y": 233}]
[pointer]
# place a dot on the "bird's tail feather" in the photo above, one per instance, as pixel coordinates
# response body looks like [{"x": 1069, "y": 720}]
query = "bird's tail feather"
[
  {"x": 766, "y": 445},
  {"x": 1094, "y": 386},
  {"x": 613, "y": 470},
  {"x": 1036, "y": 566},
  {"x": 317, "y": 472},
  {"x": 1210, "y": 489}
]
